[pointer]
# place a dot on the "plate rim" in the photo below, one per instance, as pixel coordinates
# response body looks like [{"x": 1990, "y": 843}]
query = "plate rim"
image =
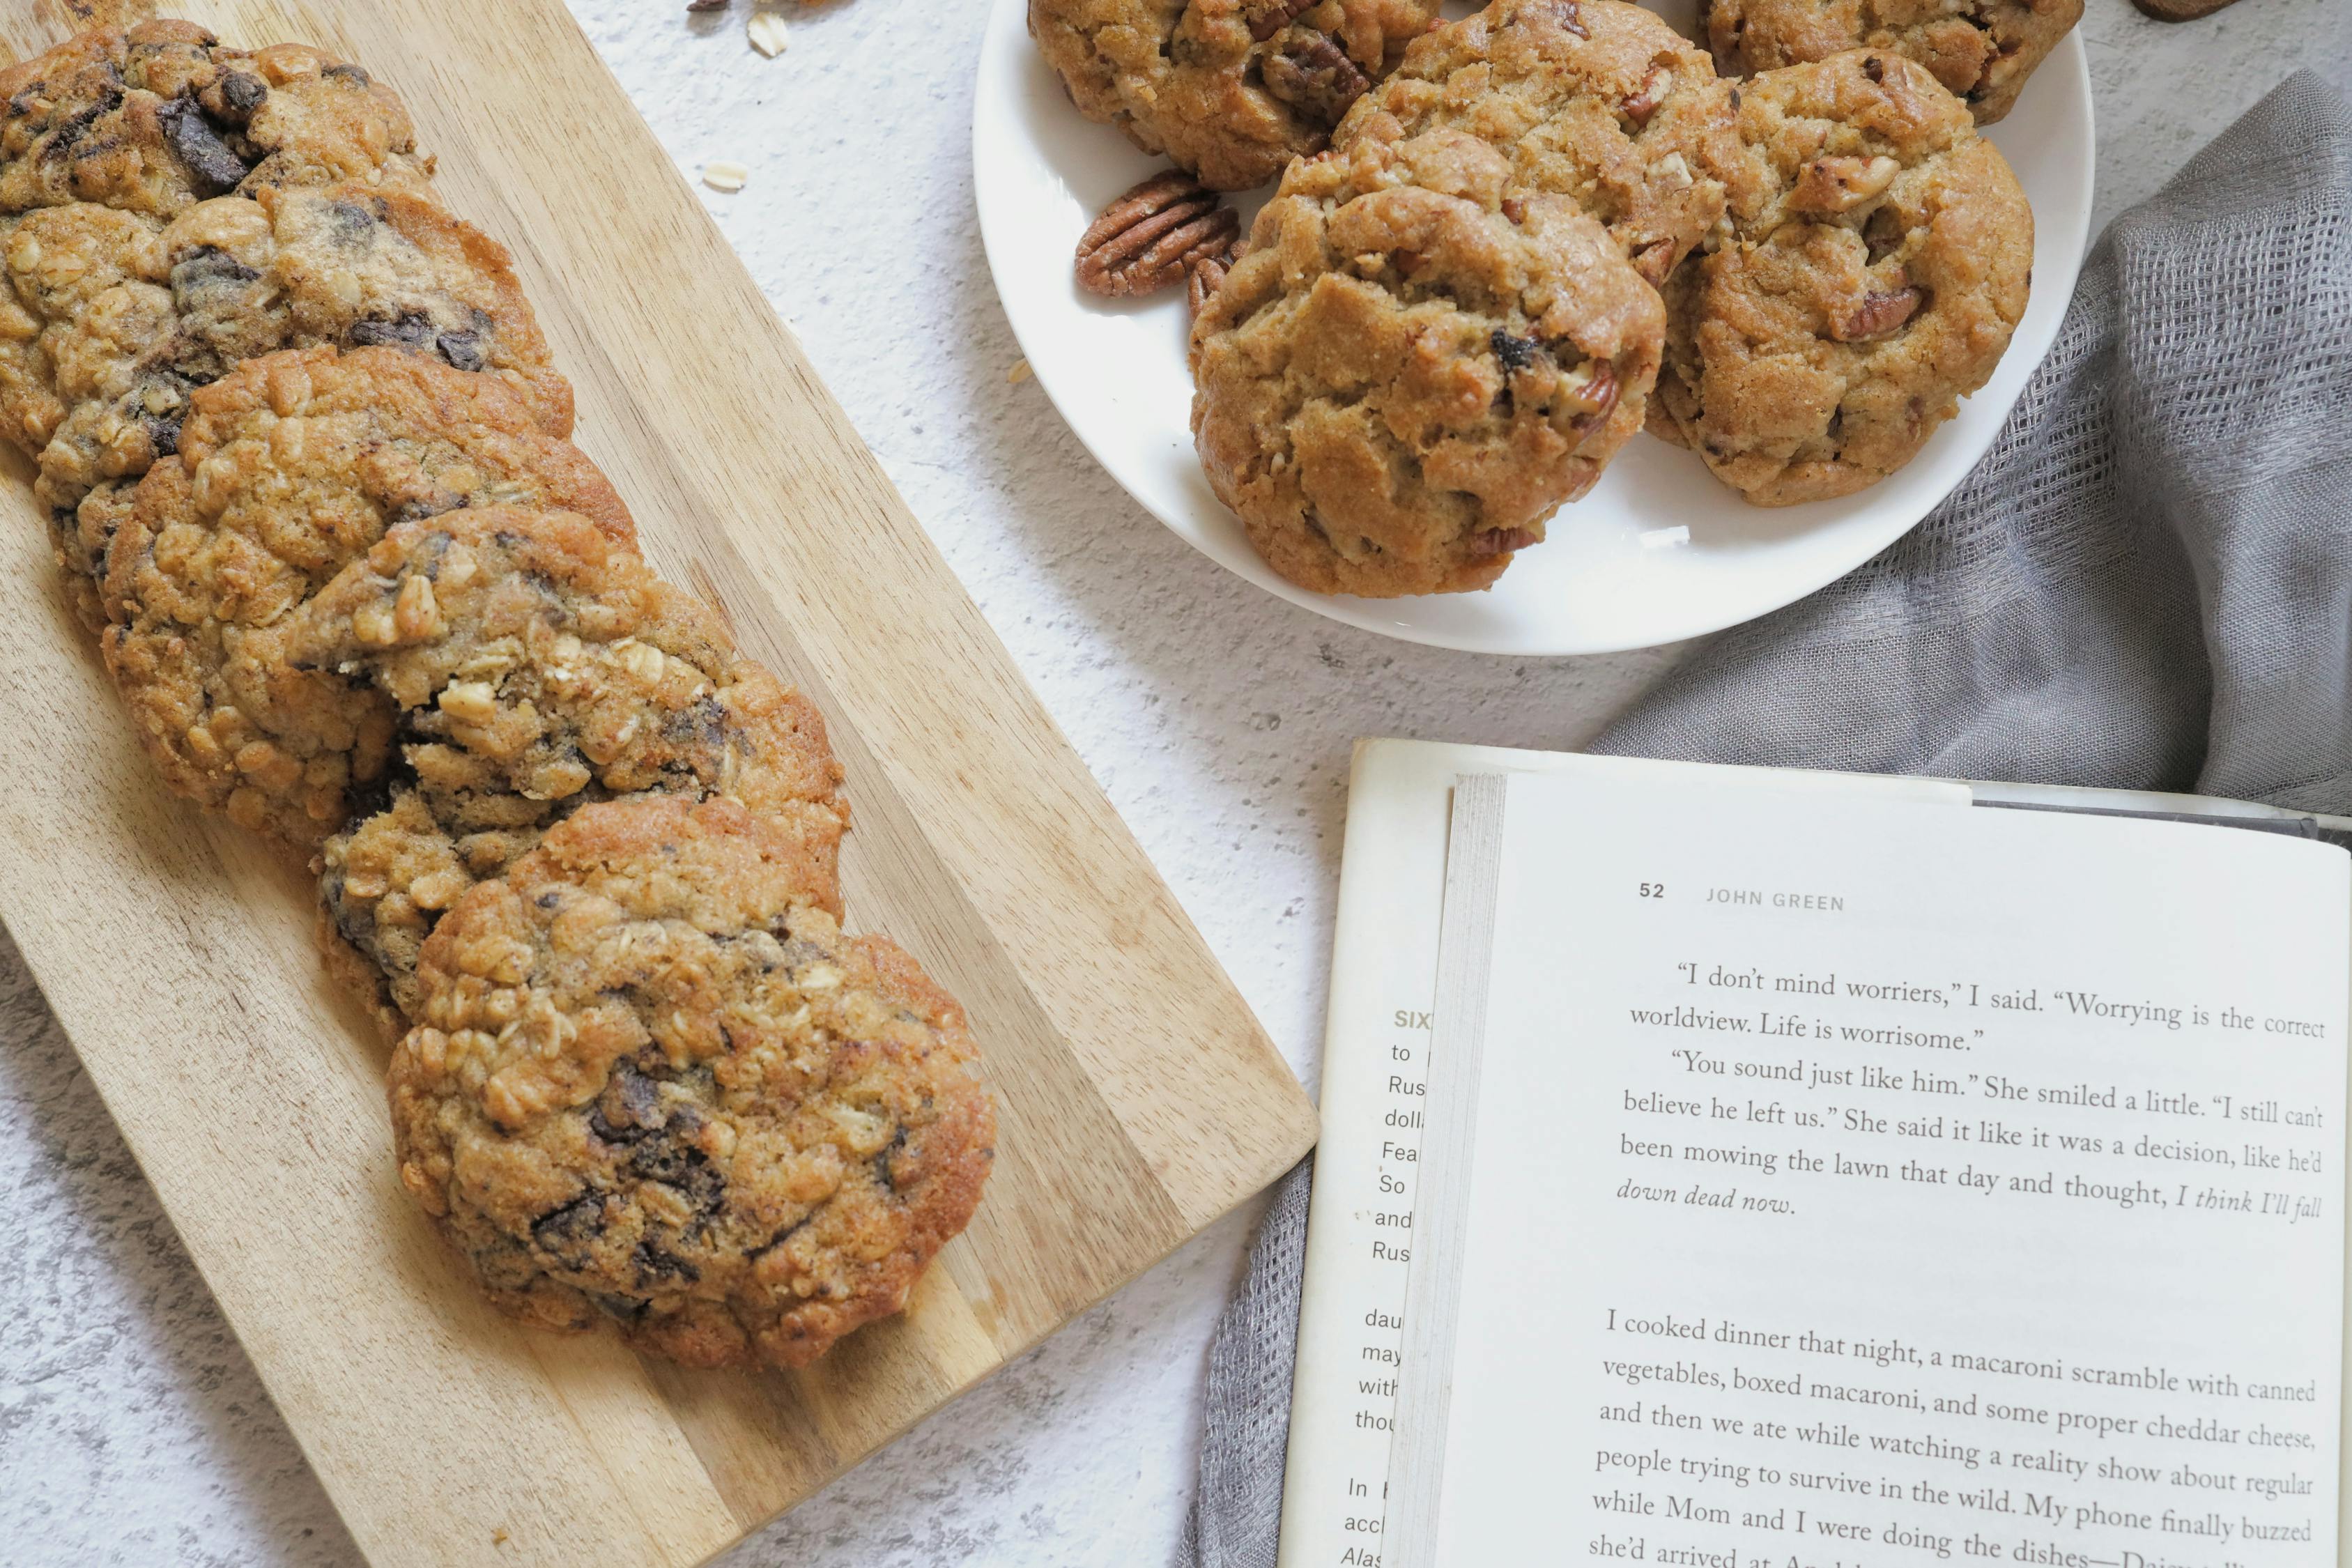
[{"x": 1006, "y": 32}]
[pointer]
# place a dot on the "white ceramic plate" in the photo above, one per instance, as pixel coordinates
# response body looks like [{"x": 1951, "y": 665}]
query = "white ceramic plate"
[{"x": 1116, "y": 372}]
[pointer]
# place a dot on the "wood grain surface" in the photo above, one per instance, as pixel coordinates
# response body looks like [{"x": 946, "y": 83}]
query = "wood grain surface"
[{"x": 1138, "y": 1099}]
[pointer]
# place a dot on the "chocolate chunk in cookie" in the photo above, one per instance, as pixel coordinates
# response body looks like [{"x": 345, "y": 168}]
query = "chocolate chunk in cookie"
[
  {"x": 343, "y": 265},
  {"x": 1879, "y": 258},
  {"x": 1231, "y": 89},
  {"x": 1982, "y": 49},
  {"x": 288, "y": 470},
  {"x": 653, "y": 1083},
  {"x": 534, "y": 666}
]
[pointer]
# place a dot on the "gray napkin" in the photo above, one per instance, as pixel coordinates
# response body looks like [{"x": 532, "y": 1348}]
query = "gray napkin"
[{"x": 2148, "y": 583}]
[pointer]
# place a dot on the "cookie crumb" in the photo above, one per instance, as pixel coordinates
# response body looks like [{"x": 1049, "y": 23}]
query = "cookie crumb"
[
  {"x": 725, "y": 174},
  {"x": 498, "y": 1538},
  {"x": 766, "y": 31},
  {"x": 1019, "y": 373}
]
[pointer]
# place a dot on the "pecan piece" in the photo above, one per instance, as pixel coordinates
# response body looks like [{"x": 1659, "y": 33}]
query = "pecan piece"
[
  {"x": 1490, "y": 542},
  {"x": 1145, "y": 239},
  {"x": 1592, "y": 390},
  {"x": 1204, "y": 275},
  {"x": 1836, "y": 184},
  {"x": 1654, "y": 261},
  {"x": 1645, "y": 100},
  {"x": 1271, "y": 17},
  {"x": 1315, "y": 76},
  {"x": 1878, "y": 315},
  {"x": 1570, "y": 18}
]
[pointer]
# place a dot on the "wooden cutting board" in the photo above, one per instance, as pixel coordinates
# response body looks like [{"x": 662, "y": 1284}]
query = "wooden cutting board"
[{"x": 1138, "y": 1098}]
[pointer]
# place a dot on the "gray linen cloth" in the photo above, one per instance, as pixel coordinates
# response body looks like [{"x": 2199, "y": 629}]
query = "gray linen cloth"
[{"x": 2148, "y": 583}]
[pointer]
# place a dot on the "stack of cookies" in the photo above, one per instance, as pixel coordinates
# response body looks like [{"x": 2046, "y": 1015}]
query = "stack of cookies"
[
  {"x": 306, "y": 464},
  {"x": 1554, "y": 223}
]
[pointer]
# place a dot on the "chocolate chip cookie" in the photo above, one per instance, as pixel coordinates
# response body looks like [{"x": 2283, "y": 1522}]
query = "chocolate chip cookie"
[
  {"x": 345, "y": 265},
  {"x": 287, "y": 469},
  {"x": 533, "y": 666},
  {"x": 1982, "y": 49},
  {"x": 1436, "y": 337},
  {"x": 157, "y": 117},
  {"x": 1231, "y": 89},
  {"x": 1878, "y": 257},
  {"x": 654, "y": 1084}
]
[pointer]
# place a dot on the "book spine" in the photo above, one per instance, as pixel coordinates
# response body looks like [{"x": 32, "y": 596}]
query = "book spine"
[{"x": 1433, "y": 1279}]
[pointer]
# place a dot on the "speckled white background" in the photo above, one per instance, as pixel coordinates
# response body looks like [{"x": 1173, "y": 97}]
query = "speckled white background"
[{"x": 132, "y": 1429}]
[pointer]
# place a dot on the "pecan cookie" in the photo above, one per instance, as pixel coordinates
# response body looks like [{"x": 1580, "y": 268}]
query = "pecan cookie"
[
  {"x": 534, "y": 666},
  {"x": 234, "y": 277},
  {"x": 1982, "y": 49},
  {"x": 653, "y": 1083},
  {"x": 1870, "y": 280},
  {"x": 157, "y": 117},
  {"x": 1231, "y": 89},
  {"x": 287, "y": 469},
  {"x": 1436, "y": 338},
  {"x": 1589, "y": 99}
]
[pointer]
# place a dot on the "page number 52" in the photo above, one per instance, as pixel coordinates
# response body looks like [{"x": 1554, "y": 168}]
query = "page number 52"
[{"x": 1653, "y": 889}]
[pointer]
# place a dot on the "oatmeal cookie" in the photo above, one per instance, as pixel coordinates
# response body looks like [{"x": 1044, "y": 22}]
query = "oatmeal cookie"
[
  {"x": 157, "y": 117},
  {"x": 535, "y": 666},
  {"x": 234, "y": 277},
  {"x": 1231, "y": 89},
  {"x": 287, "y": 469},
  {"x": 1589, "y": 99},
  {"x": 654, "y": 1084},
  {"x": 1872, "y": 283},
  {"x": 1982, "y": 49},
  {"x": 1436, "y": 337}
]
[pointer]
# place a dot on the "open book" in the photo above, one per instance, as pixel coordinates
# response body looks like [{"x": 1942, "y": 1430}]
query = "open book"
[{"x": 1733, "y": 1168}]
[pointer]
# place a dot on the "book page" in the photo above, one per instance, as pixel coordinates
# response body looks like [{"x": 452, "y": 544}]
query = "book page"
[
  {"x": 1855, "y": 1183},
  {"x": 1384, "y": 978}
]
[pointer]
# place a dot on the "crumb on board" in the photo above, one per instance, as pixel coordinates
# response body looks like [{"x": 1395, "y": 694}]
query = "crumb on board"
[
  {"x": 766, "y": 31},
  {"x": 725, "y": 174},
  {"x": 1019, "y": 373}
]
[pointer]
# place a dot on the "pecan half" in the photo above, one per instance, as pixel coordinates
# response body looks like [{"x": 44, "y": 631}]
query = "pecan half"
[
  {"x": 1490, "y": 542},
  {"x": 1268, "y": 17},
  {"x": 1145, "y": 239},
  {"x": 1645, "y": 100},
  {"x": 1592, "y": 388},
  {"x": 1878, "y": 315},
  {"x": 1836, "y": 184},
  {"x": 1315, "y": 76},
  {"x": 2180, "y": 10}
]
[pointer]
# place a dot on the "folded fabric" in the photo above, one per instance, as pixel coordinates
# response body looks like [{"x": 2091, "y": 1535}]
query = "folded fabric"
[{"x": 2147, "y": 584}]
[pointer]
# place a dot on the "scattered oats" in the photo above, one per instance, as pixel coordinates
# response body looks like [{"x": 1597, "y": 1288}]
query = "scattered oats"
[
  {"x": 1664, "y": 538},
  {"x": 1019, "y": 373},
  {"x": 724, "y": 175},
  {"x": 766, "y": 31}
]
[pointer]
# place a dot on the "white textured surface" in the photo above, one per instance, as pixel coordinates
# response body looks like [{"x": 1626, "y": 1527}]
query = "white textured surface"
[{"x": 132, "y": 1427}]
